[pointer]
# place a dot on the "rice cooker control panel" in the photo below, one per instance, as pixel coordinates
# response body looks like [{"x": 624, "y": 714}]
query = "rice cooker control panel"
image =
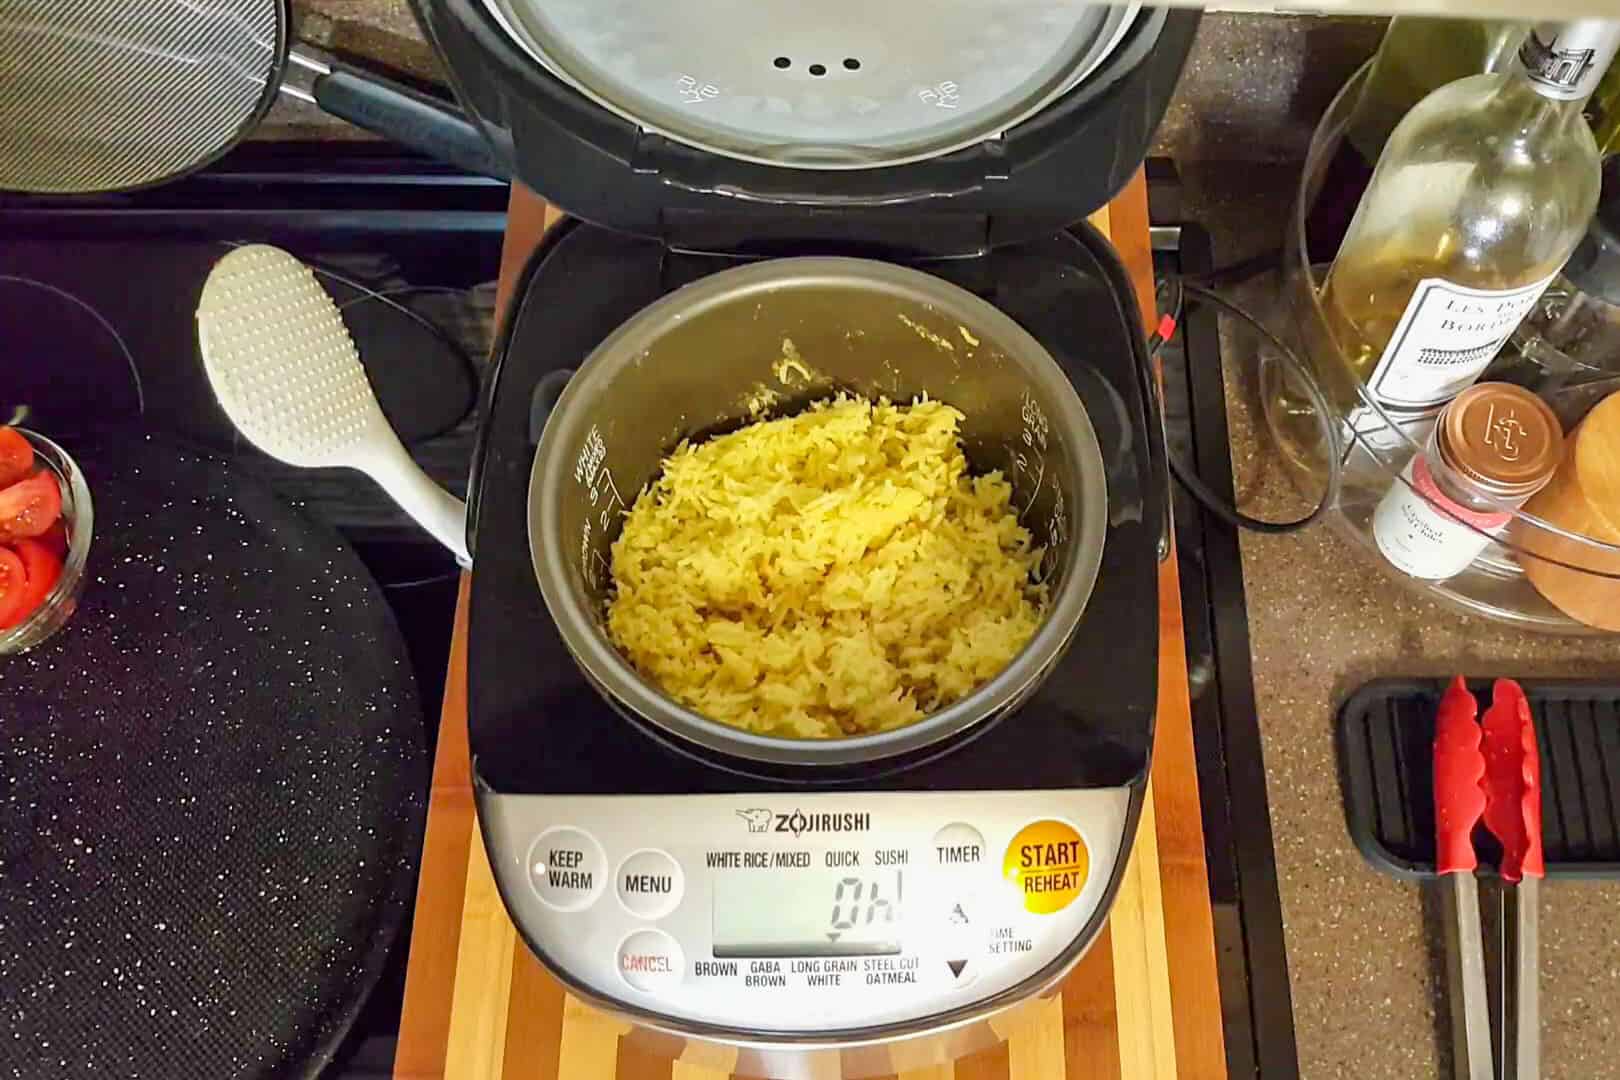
[{"x": 826, "y": 912}]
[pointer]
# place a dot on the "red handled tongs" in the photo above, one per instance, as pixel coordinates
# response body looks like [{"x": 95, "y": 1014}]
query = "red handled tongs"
[{"x": 1490, "y": 773}]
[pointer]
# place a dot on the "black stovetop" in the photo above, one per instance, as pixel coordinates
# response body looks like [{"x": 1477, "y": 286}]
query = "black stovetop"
[
  {"x": 96, "y": 316},
  {"x": 537, "y": 726}
]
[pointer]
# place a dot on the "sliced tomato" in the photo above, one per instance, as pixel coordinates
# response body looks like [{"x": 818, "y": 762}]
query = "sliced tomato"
[
  {"x": 56, "y": 538},
  {"x": 43, "y": 570},
  {"x": 13, "y": 588},
  {"x": 30, "y": 506},
  {"x": 16, "y": 456}
]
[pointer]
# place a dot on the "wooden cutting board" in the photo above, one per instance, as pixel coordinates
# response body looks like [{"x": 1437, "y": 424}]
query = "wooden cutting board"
[{"x": 1143, "y": 1002}]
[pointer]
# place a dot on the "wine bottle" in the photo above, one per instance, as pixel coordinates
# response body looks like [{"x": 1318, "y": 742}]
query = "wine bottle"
[
  {"x": 1418, "y": 54},
  {"x": 1481, "y": 193}
]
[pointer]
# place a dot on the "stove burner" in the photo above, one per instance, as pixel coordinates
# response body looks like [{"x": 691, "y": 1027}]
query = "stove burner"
[{"x": 61, "y": 353}]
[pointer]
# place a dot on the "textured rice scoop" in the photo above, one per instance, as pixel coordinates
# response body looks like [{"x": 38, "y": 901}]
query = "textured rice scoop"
[{"x": 833, "y": 573}]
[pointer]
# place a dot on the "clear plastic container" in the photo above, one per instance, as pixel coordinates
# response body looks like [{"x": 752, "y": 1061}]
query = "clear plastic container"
[
  {"x": 79, "y": 516},
  {"x": 1375, "y": 445},
  {"x": 1568, "y": 347}
]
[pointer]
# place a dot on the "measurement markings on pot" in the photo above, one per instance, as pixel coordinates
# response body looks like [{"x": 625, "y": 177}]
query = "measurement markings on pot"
[
  {"x": 1057, "y": 530},
  {"x": 1031, "y": 461},
  {"x": 592, "y": 473}
]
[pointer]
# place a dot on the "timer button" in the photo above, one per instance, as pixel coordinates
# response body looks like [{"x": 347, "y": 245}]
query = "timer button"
[
  {"x": 650, "y": 884},
  {"x": 1048, "y": 862},
  {"x": 959, "y": 846},
  {"x": 567, "y": 869},
  {"x": 650, "y": 961}
]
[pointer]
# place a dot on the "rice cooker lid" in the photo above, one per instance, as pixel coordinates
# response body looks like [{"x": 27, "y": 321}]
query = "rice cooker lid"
[
  {"x": 838, "y": 84},
  {"x": 712, "y": 124}
]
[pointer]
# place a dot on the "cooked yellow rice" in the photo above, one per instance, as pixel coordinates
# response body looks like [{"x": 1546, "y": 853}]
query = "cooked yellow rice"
[{"x": 827, "y": 574}]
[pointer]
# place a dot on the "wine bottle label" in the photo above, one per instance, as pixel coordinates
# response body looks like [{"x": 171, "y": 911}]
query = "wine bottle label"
[
  {"x": 1565, "y": 60},
  {"x": 1447, "y": 336},
  {"x": 1425, "y": 534}
]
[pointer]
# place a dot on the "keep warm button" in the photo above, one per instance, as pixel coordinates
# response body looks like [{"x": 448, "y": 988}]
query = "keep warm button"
[
  {"x": 567, "y": 869},
  {"x": 1048, "y": 862}
]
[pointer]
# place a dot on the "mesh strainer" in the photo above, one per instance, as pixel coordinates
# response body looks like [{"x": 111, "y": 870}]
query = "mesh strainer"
[{"x": 105, "y": 95}]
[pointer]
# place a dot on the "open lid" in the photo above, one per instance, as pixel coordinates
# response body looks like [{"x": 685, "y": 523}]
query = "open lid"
[
  {"x": 840, "y": 84},
  {"x": 717, "y": 124}
]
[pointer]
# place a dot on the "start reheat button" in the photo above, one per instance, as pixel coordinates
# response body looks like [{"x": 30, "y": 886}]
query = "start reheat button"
[{"x": 1048, "y": 862}]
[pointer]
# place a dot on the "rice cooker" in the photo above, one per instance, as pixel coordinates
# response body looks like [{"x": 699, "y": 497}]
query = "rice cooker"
[{"x": 895, "y": 195}]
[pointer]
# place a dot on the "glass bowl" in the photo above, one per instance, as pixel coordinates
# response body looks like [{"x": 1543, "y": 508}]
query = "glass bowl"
[
  {"x": 1523, "y": 562},
  {"x": 79, "y": 517}
]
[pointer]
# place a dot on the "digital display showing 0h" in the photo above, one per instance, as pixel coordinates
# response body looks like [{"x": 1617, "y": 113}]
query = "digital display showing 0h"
[
  {"x": 821, "y": 913},
  {"x": 850, "y": 911}
]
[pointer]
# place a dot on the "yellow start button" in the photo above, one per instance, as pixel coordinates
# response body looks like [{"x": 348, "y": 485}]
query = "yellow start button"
[{"x": 1048, "y": 862}]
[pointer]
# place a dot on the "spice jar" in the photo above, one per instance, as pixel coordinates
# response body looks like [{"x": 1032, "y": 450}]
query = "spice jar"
[{"x": 1493, "y": 446}]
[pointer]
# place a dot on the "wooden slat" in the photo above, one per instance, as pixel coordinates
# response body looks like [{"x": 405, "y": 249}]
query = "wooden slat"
[
  {"x": 1090, "y": 1016},
  {"x": 528, "y": 218},
  {"x": 705, "y": 1061},
  {"x": 636, "y": 1062},
  {"x": 1035, "y": 1047},
  {"x": 1126, "y": 224},
  {"x": 931, "y": 1072},
  {"x": 1184, "y": 877},
  {"x": 1147, "y": 1044},
  {"x": 476, "y": 1049},
  {"x": 1142, "y": 1003},
  {"x": 590, "y": 1042},
  {"x": 533, "y": 1019},
  {"x": 991, "y": 1064},
  {"x": 682, "y": 1070},
  {"x": 424, "y": 1023}
]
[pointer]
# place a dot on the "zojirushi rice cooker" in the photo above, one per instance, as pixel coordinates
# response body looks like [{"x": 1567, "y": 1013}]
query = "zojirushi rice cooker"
[{"x": 894, "y": 193}]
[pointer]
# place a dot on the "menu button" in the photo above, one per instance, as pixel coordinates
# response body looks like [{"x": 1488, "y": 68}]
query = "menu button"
[{"x": 650, "y": 884}]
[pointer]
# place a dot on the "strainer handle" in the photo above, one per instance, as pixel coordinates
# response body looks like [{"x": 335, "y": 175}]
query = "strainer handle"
[{"x": 416, "y": 120}]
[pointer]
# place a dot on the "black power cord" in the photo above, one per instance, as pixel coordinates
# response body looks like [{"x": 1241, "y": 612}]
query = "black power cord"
[
  {"x": 1237, "y": 273},
  {"x": 1179, "y": 290}
]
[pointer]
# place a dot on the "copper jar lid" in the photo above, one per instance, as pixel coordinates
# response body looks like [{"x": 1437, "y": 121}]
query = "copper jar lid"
[{"x": 1502, "y": 438}]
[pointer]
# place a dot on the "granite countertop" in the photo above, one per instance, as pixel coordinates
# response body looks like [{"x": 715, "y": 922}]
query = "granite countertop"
[
  {"x": 1365, "y": 952},
  {"x": 1365, "y": 960}
]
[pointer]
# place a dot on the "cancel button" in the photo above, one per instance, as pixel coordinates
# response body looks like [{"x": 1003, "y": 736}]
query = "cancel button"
[{"x": 650, "y": 884}]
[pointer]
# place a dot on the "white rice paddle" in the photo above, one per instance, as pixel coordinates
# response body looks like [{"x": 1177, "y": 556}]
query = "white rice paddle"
[{"x": 288, "y": 375}]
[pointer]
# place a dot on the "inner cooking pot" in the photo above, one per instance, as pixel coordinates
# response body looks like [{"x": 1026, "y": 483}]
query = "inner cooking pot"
[{"x": 716, "y": 354}]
